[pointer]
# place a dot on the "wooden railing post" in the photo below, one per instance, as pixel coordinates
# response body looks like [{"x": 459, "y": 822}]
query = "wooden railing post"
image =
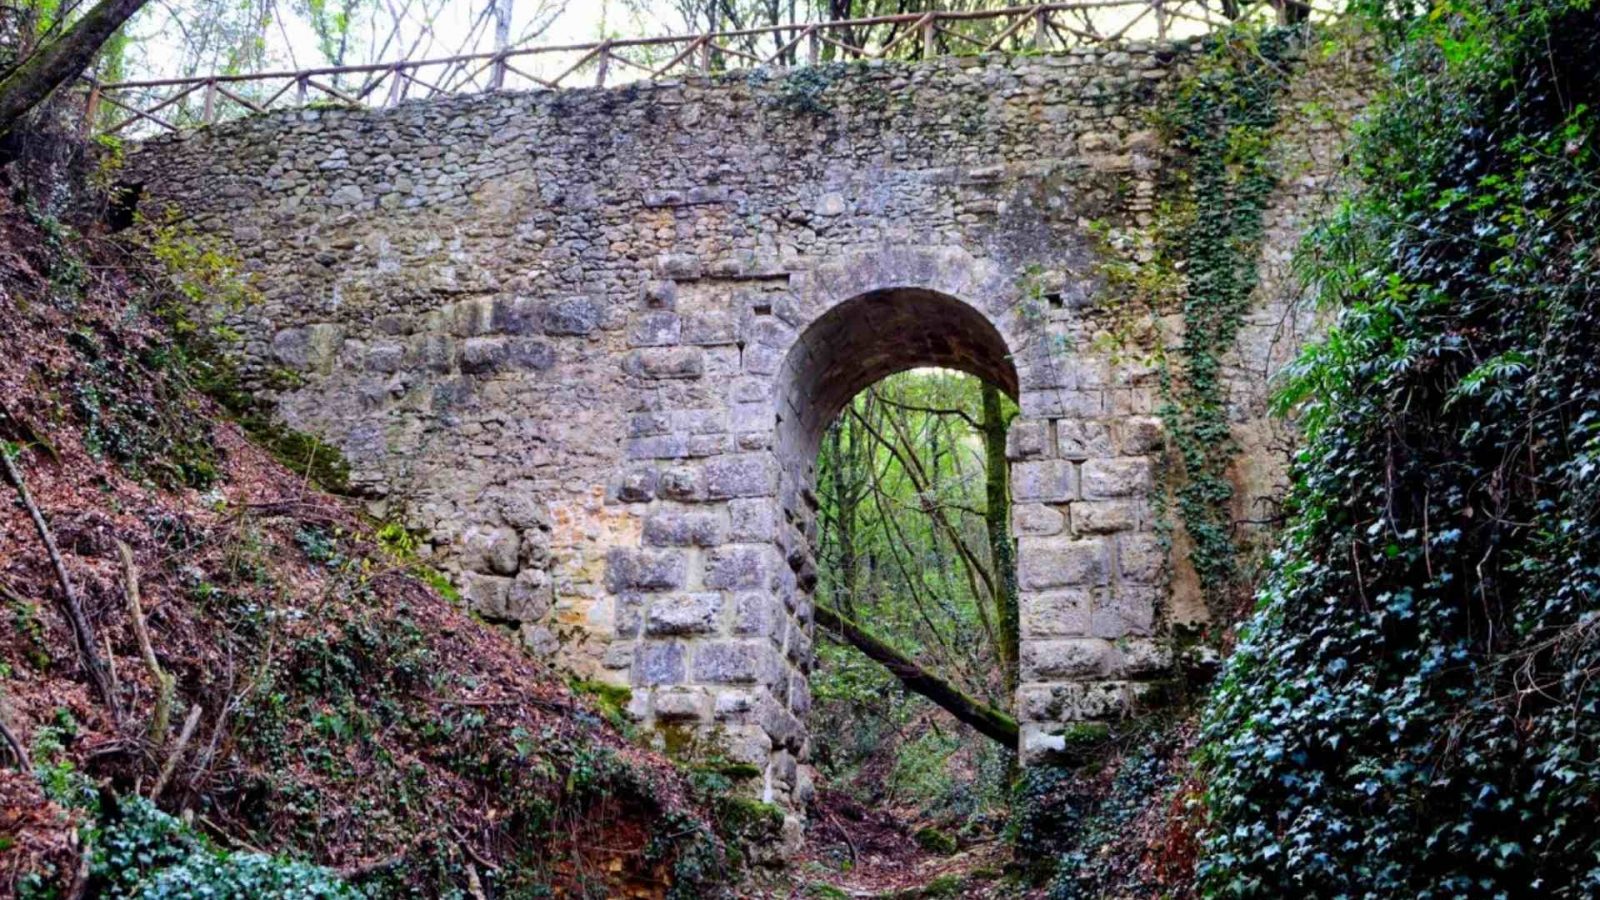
[
  {"x": 497, "y": 80},
  {"x": 300, "y": 90},
  {"x": 1041, "y": 29},
  {"x": 209, "y": 114},
  {"x": 1161, "y": 19},
  {"x": 930, "y": 47},
  {"x": 605, "y": 63},
  {"x": 813, "y": 46},
  {"x": 397, "y": 89},
  {"x": 705, "y": 55}
]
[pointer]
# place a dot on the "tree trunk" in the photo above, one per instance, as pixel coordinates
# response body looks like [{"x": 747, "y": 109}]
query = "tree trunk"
[
  {"x": 997, "y": 520},
  {"x": 845, "y": 506},
  {"x": 30, "y": 83},
  {"x": 987, "y": 720}
]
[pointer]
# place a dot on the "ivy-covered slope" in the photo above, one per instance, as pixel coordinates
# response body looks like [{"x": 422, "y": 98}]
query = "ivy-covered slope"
[
  {"x": 311, "y": 716},
  {"x": 1412, "y": 711}
]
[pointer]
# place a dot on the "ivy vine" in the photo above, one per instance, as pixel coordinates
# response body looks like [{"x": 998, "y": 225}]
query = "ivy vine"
[{"x": 1221, "y": 119}]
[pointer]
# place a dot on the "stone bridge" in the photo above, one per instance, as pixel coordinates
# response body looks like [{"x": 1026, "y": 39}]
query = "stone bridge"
[{"x": 587, "y": 341}]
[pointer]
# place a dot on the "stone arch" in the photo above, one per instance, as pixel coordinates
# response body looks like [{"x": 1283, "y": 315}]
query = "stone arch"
[{"x": 863, "y": 340}]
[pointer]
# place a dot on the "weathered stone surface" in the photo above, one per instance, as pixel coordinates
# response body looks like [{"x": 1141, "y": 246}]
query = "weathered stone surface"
[
  {"x": 694, "y": 613},
  {"x": 743, "y": 475},
  {"x": 1106, "y": 479},
  {"x": 1141, "y": 559},
  {"x": 669, "y": 527},
  {"x": 1129, "y": 609},
  {"x": 1047, "y": 481},
  {"x": 741, "y": 568},
  {"x": 1058, "y": 613},
  {"x": 1063, "y": 562},
  {"x": 1037, "y": 519},
  {"x": 1105, "y": 516},
  {"x": 490, "y": 550},
  {"x": 1069, "y": 658},
  {"x": 744, "y": 662},
  {"x": 659, "y": 662},
  {"x": 651, "y": 570}
]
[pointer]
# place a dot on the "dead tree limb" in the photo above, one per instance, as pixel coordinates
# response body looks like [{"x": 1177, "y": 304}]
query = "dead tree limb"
[
  {"x": 177, "y": 752},
  {"x": 985, "y": 719},
  {"x": 82, "y": 631},
  {"x": 159, "y": 718}
]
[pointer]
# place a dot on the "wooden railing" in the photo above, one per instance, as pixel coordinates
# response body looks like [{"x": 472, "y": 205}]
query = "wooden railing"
[{"x": 171, "y": 104}]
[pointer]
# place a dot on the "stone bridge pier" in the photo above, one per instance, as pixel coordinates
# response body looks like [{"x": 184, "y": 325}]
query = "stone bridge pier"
[{"x": 586, "y": 342}]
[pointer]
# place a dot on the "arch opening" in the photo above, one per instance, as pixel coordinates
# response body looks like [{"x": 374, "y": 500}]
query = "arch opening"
[{"x": 862, "y": 341}]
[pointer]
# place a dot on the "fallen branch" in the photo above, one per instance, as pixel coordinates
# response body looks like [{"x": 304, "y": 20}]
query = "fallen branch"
[
  {"x": 82, "y": 631},
  {"x": 177, "y": 751},
  {"x": 985, "y": 719},
  {"x": 159, "y": 719}
]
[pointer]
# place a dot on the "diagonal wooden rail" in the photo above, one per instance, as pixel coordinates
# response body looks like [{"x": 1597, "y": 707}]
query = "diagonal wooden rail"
[{"x": 172, "y": 104}]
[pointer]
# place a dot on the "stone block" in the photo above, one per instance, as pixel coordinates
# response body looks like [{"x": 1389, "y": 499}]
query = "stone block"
[
  {"x": 732, "y": 662},
  {"x": 1045, "y": 481},
  {"x": 1062, "y": 562},
  {"x": 385, "y": 357},
  {"x": 1028, "y": 439},
  {"x": 741, "y": 475},
  {"x": 485, "y": 594},
  {"x": 572, "y": 316},
  {"x": 646, "y": 570},
  {"x": 1128, "y": 609},
  {"x": 669, "y": 527},
  {"x": 1060, "y": 613},
  {"x": 530, "y": 596},
  {"x": 679, "y": 266},
  {"x": 529, "y": 355},
  {"x": 1142, "y": 435},
  {"x": 752, "y": 520},
  {"x": 665, "y": 363},
  {"x": 638, "y": 485},
  {"x": 661, "y": 446},
  {"x": 490, "y": 550},
  {"x": 1079, "y": 439},
  {"x": 754, "y": 614},
  {"x": 1105, "y": 516},
  {"x": 752, "y": 417},
  {"x": 1062, "y": 403},
  {"x": 515, "y": 315},
  {"x": 482, "y": 355},
  {"x": 661, "y": 295},
  {"x": 1036, "y": 519},
  {"x": 1143, "y": 657},
  {"x": 690, "y": 613},
  {"x": 1044, "y": 660},
  {"x": 681, "y": 483},
  {"x": 680, "y": 705},
  {"x": 709, "y": 329},
  {"x": 659, "y": 662},
  {"x": 741, "y": 568},
  {"x": 627, "y": 616},
  {"x": 1105, "y": 479},
  {"x": 1141, "y": 559},
  {"x": 657, "y": 328}
]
